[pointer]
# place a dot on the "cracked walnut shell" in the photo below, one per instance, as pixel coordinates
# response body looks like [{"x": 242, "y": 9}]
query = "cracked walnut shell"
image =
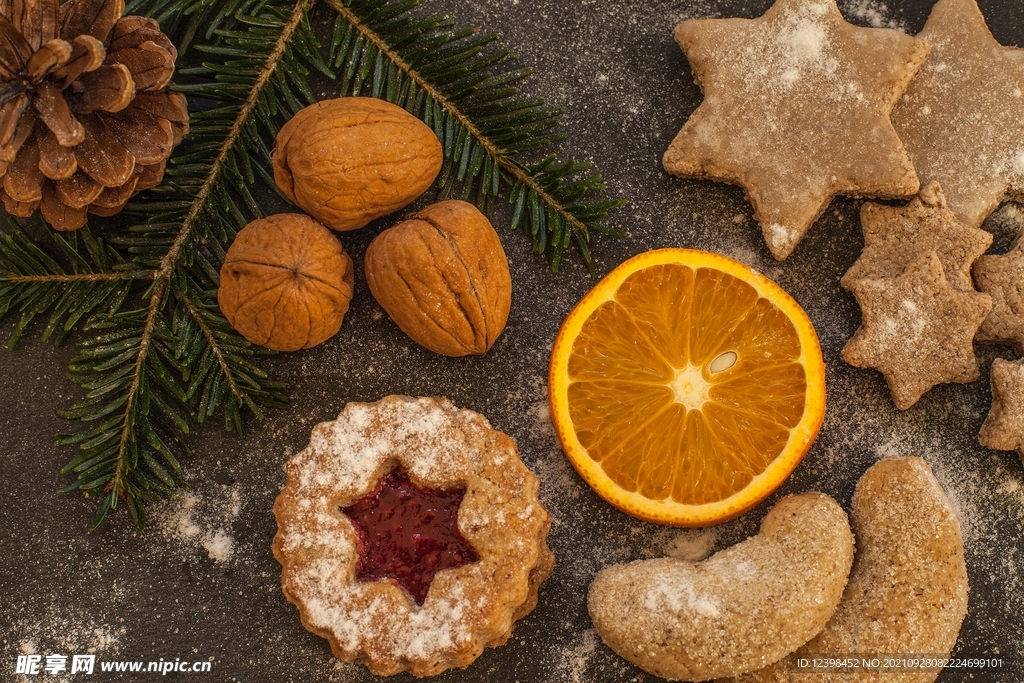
[
  {"x": 350, "y": 160},
  {"x": 443, "y": 278},
  {"x": 286, "y": 282}
]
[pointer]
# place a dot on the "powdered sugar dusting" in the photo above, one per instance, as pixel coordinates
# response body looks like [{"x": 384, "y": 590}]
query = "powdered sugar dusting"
[
  {"x": 779, "y": 236},
  {"x": 193, "y": 521},
  {"x": 692, "y": 545},
  {"x": 360, "y": 456},
  {"x": 60, "y": 629},
  {"x": 439, "y": 446},
  {"x": 969, "y": 144},
  {"x": 573, "y": 661},
  {"x": 420, "y": 634},
  {"x": 675, "y": 592},
  {"x": 871, "y": 12},
  {"x": 804, "y": 42}
]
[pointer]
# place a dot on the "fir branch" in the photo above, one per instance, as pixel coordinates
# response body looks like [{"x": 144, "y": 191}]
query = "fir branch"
[
  {"x": 33, "y": 282},
  {"x": 444, "y": 77},
  {"x": 153, "y": 371},
  {"x": 199, "y": 204},
  {"x": 218, "y": 353}
]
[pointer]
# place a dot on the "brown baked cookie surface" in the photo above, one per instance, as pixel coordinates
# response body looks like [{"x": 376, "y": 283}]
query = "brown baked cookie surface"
[
  {"x": 467, "y": 608},
  {"x": 796, "y": 110},
  {"x": 907, "y": 593},
  {"x": 1004, "y": 427},
  {"x": 739, "y": 610},
  {"x": 917, "y": 329},
  {"x": 962, "y": 118},
  {"x": 894, "y": 236},
  {"x": 1002, "y": 278}
]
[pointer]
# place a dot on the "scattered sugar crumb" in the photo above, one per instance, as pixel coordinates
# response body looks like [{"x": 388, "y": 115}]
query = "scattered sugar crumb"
[
  {"x": 62, "y": 630},
  {"x": 575, "y": 658},
  {"x": 870, "y": 12},
  {"x": 1009, "y": 486},
  {"x": 220, "y": 546},
  {"x": 192, "y": 521},
  {"x": 541, "y": 425},
  {"x": 691, "y": 545}
]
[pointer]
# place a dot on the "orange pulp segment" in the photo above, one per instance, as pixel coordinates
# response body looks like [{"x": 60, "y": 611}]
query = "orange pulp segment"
[{"x": 685, "y": 387}]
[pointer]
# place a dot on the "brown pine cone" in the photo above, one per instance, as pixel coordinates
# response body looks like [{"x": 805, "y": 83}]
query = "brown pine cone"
[{"x": 86, "y": 120}]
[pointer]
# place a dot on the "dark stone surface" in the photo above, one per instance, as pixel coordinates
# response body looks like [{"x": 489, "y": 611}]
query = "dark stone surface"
[{"x": 627, "y": 90}]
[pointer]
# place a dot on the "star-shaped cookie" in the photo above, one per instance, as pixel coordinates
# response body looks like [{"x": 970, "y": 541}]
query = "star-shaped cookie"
[
  {"x": 1002, "y": 277},
  {"x": 896, "y": 235},
  {"x": 962, "y": 118},
  {"x": 917, "y": 329},
  {"x": 796, "y": 110},
  {"x": 1004, "y": 428}
]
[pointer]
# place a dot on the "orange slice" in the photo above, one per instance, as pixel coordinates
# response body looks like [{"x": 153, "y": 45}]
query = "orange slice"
[{"x": 685, "y": 387}]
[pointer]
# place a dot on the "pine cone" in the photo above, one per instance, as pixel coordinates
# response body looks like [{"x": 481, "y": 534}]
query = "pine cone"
[{"x": 86, "y": 120}]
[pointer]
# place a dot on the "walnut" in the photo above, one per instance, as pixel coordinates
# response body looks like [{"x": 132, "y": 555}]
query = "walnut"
[
  {"x": 350, "y": 160},
  {"x": 286, "y": 282},
  {"x": 442, "y": 277}
]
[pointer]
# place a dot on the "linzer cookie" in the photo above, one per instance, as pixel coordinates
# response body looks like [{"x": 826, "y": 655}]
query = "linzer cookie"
[
  {"x": 410, "y": 535},
  {"x": 1002, "y": 278},
  {"x": 796, "y": 110},
  {"x": 908, "y": 589},
  {"x": 895, "y": 236},
  {"x": 917, "y": 329},
  {"x": 1004, "y": 428},
  {"x": 962, "y": 118}
]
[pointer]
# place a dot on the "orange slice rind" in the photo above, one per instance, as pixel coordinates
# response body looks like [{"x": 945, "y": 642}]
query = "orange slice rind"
[{"x": 685, "y": 387}]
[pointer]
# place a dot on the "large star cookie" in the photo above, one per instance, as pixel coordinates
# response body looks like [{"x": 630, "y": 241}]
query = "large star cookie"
[
  {"x": 917, "y": 329},
  {"x": 1004, "y": 428},
  {"x": 1002, "y": 277},
  {"x": 896, "y": 235},
  {"x": 796, "y": 110},
  {"x": 962, "y": 118}
]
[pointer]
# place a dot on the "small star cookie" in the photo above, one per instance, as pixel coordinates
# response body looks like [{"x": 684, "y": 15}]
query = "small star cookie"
[
  {"x": 796, "y": 110},
  {"x": 917, "y": 329},
  {"x": 895, "y": 236},
  {"x": 962, "y": 119},
  {"x": 1002, "y": 278},
  {"x": 1004, "y": 428}
]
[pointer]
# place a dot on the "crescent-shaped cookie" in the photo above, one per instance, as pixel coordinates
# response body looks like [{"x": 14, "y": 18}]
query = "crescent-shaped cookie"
[
  {"x": 742, "y": 608},
  {"x": 908, "y": 589}
]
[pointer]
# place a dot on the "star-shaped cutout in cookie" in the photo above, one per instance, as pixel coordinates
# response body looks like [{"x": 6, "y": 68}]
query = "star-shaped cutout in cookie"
[
  {"x": 408, "y": 533},
  {"x": 796, "y": 110},
  {"x": 962, "y": 118},
  {"x": 917, "y": 329},
  {"x": 1004, "y": 428},
  {"x": 1002, "y": 278},
  {"x": 896, "y": 235}
]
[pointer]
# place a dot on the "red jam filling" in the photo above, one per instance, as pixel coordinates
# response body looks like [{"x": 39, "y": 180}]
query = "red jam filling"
[{"x": 408, "y": 533}]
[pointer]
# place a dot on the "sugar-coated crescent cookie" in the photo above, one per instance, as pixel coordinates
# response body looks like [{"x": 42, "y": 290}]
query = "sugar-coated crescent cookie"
[
  {"x": 908, "y": 589},
  {"x": 742, "y": 608},
  {"x": 465, "y": 609}
]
